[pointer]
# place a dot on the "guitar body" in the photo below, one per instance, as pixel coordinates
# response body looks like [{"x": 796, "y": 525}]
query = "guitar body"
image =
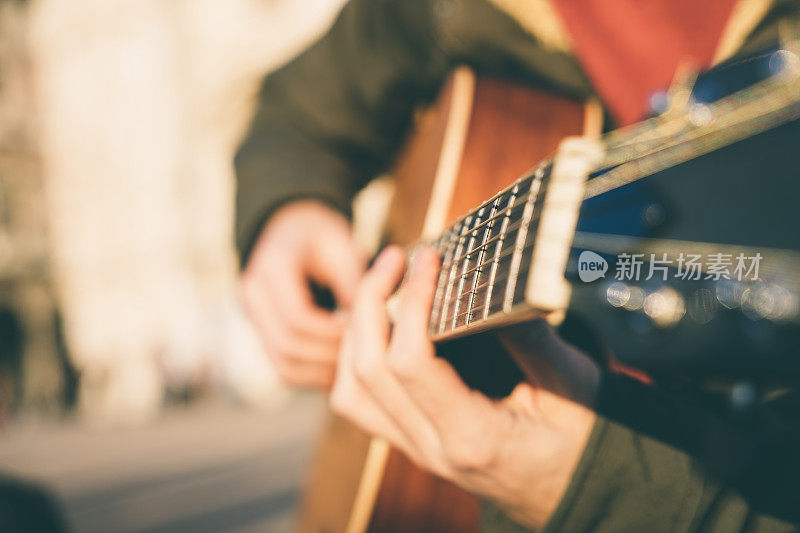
[{"x": 479, "y": 136}]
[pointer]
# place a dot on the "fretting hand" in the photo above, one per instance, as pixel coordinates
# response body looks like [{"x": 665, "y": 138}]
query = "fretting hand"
[{"x": 518, "y": 452}]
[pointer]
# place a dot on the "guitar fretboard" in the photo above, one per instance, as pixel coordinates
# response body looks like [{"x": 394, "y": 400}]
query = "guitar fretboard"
[{"x": 484, "y": 254}]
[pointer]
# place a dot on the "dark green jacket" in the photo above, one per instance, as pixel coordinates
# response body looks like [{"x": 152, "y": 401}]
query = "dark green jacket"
[{"x": 334, "y": 118}]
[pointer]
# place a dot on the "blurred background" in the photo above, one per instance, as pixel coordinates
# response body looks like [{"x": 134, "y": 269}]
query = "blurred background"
[{"x": 132, "y": 387}]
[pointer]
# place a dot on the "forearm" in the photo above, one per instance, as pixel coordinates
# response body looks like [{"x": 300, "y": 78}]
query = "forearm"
[
  {"x": 334, "y": 117},
  {"x": 276, "y": 165}
]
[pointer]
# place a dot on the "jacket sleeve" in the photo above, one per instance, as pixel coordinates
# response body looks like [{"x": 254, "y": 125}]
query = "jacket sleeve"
[
  {"x": 333, "y": 118},
  {"x": 662, "y": 462}
]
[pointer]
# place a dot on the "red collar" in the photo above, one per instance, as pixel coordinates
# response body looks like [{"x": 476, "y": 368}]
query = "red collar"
[{"x": 631, "y": 48}]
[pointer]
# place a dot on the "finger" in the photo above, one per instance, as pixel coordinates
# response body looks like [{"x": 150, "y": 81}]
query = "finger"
[
  {"x": 416, "y": 296},
  {"x": 387, "y": 271},
  {"x": 304, "y": 367},
  {"x": 338, "y": 264},
  {"x": 525, "y": 399},
  {"x": 289, "y": 288},
  {"x": 431, "y": 382},
  {"x": 369, "y": 315},
  {"x": 533, "y": 345},
  {"x": 304, "y": 374},
  {"x": 281, "y": 338},
  {"x": 536, "y": 337},
  {"x": 369, "y": 334},
  {"x": 350, "y": 399},
  {"x": 412, "y": 354},
  {"x": 549, "y": 362}
]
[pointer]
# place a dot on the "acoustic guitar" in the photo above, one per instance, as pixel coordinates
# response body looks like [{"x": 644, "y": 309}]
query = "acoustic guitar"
[{"x": 713, "y": 174}]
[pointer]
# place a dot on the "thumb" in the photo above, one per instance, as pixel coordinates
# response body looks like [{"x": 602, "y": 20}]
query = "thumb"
[
  {"x": 551, "y": 363},
  {"x": 535, "y": 347},
  {"x": 337, "y": 263}
]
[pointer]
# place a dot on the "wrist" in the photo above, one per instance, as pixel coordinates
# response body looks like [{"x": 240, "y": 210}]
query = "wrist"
[
  {"x": 539, "y": 452},
  {"x": 573, "y": 427}
]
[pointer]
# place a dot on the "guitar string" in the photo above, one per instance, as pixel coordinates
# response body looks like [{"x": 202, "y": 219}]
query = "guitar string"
[
  {"x": 618, "y": 177},
  {"x": 759, "y": 120},
  {"x": 727, "y": 129}
]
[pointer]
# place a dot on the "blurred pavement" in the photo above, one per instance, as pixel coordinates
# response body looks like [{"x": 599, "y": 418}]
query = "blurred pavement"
[{"x": 205, "y": 468}]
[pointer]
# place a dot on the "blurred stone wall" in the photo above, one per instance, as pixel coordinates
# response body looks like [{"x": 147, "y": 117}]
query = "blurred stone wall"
[
  {"x": 141, "y": 105},
  {"x": 30, "y": 371}
]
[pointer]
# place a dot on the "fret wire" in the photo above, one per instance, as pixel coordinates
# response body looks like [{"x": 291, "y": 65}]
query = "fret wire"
[
  {"x": 457, "y": 243},
  {"x": 495, "y": 262},
  {"x": 498, "y": 248},
  {"x": 451, "y": 277},
  {"x": 471, "y": 291},
  {"x": 499, "y": 256},
  {"x": 478, "y": 287},
  {"x": 521, "y": 237},
  {"x": 449, "y": 246},
  {"x": 479, "y": 259},
  {"x": 504, "y": 254},
  {"x": 512, "y": 227},
  {"x": 482, "y": 285},
  {"x": 463, "y": 313},
  {"x": 498, "y": 214},
  {"x": 462, "y": 277}
]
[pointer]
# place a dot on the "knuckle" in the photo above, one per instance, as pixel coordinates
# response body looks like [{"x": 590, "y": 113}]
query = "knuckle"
[
  {"x": 293, "y": 326},
  {"x": 336, "y": 402},
  {"x": 407, "y": 353},
  {"x": 283, "y": 344},
  {"x": 283, "y": 371},
  {"x": 339, "y": 401},
  {"x": 365, "y": 369},
  {"x": 295, "y": 315},
  {"x": 280, "y": 343},
  {"x": 369, "y": 284},
  {"x": 401, "y": 364},
  {"x": 435, "y": 463},
  {"x": 468, "y": 456}
]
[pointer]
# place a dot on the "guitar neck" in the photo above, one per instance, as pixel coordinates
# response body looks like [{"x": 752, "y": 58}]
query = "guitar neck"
[
  {"x": 483, "y": 258},
  {"x": 504, "y": 261}
]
